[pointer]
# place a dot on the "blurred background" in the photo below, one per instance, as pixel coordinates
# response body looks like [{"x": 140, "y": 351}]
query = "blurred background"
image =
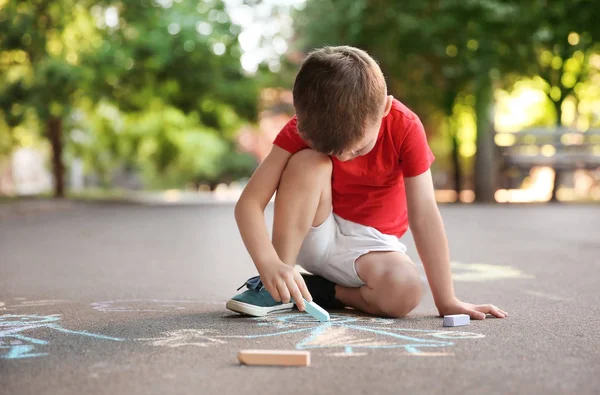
[{"x": 179, "y": 100}]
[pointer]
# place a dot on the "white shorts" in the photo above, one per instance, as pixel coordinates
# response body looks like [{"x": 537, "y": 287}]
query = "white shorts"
[{"x": 331, "y": 249}]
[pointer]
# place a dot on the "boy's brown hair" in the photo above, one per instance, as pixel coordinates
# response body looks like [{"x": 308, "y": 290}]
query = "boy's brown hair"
[{"x": 337, "y": 93}]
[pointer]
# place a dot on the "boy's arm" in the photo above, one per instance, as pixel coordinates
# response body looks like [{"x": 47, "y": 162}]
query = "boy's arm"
[
  {"x": 250, "y": 218},
  {"x": 432, "y": 245}
]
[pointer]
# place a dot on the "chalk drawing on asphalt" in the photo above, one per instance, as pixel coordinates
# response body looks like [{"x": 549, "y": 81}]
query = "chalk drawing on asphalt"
[
  {"x": 185, "y": 337},
  {"x": 549, "y": 296},
  {"x": 35, "y": 303},
  {"x": 14, "y": 344},
  {"x": 347, "y": 335},
  {"x": 146, "y": 305},
  {"x": 476, "y": 272}
]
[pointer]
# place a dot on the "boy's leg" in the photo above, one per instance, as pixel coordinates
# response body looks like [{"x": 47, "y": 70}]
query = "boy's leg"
[
  {"x": 393, "y": 285},
  {"x": 303, "y": 200}
]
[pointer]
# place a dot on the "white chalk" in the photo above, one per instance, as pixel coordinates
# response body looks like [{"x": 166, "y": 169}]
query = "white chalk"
[{"x": 456, "y": 320}]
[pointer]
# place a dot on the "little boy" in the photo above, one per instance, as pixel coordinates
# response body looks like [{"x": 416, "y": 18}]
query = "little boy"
[{"x": 351, "y": 171}]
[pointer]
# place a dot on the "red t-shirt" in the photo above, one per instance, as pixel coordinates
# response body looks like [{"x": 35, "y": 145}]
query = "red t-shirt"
[{"x": 369, "y": 189}]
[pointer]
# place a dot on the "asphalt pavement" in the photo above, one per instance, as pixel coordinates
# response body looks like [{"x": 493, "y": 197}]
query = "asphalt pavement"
[{"x": 129, "y": 299}]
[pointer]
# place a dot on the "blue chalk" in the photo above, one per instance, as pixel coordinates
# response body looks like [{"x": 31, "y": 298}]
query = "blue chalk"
[{"x": 316, "y": 311}]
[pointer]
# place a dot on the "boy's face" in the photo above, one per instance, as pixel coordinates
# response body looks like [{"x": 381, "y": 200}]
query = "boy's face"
[
  {"x": 364, "y": 146},
  {"x": 369, "y": 140}
]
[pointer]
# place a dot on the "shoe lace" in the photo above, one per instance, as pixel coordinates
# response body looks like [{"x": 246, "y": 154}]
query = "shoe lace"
[{"x": 254, "y": 284}]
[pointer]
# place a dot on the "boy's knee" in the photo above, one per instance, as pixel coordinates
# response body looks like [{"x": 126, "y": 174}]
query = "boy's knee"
[
  {"x": 309, "y": 162},
  {"x": 402, "y": 286},
  {"x": 408, "y": 299}
]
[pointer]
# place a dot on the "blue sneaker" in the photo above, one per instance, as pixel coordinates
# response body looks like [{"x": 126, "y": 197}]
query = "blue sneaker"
[{"x": 256, "y": 300}]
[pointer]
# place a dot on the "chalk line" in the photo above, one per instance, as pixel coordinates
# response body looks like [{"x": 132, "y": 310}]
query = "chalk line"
[{"x": 549, "y": 296}]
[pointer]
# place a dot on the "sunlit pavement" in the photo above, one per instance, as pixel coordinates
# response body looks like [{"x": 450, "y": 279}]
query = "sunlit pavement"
[{"x": 129, "y": 299}]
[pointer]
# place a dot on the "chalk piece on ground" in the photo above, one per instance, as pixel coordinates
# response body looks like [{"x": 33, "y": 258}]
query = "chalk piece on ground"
[
  {"x": 274, "y": 357},
  {"x": 316, "y": 311},
  {"x": 456, "y": 320}
]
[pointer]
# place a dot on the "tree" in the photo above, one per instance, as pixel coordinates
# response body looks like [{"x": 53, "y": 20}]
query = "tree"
[
  {"x": 61, "y": 55},
  {"x": 431, "y": 52},
  {"x": 171, "y": 61},
  {"x": 185, "y": 53},
  {"x": 566, "y": 35},
  {"x": 39, "y": 73}
]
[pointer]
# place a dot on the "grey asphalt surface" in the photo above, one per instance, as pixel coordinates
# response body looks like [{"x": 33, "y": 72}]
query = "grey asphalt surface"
[{"x": 129, "y": 299}]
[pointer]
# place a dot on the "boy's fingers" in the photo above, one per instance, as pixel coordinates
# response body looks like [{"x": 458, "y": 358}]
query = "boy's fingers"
[
  {"x": 489, "y": 309},
  {"x": 283, "y": 292},
  {"x": 274, "y": 293},
  {"x": 476, "y": 315},
  {"x": 502, "y": 311},
  {"x": 303, "y": 288},
  {"x": 296, "y": 295},
  {"x": 496, "y": 312}
]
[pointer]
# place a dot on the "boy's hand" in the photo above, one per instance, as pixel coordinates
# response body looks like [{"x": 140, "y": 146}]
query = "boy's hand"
[
  {"x": 477, "y": 312},
  {"x": 284, "y": 282}
]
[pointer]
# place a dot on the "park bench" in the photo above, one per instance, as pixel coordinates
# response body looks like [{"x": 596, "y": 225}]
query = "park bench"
[{"x": 564, "y": 149}]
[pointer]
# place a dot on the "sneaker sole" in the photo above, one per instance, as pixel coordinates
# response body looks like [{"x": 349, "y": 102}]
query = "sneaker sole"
[{"x": 256, "y": 311}]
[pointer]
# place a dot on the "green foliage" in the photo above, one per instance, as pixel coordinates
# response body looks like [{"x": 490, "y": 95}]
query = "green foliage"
[
  {"x": 430, "y": 51},
  {"x": 434, "y": 52},
  {"x": 166, "y": 146},
  {"x": 151, "y": 86},
  {"x": 35, "y": 68},
  {"x": 184, "y": 54},
  {"x": 566, "y": 34}
]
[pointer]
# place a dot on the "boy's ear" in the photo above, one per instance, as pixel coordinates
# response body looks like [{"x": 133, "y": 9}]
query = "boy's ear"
[{"x": 388, "y": 105}]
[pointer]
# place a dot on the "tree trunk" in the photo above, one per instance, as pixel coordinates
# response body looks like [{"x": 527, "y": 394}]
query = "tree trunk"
[
  {"x": 485, "y": 161},
  {"x": 55, "y": 136},
  {"x": 450, "y": 98},
  {"x": 557, "y": 172},
  {"x": 558, "y": 109},
  {"x": 456, "y": 162}
]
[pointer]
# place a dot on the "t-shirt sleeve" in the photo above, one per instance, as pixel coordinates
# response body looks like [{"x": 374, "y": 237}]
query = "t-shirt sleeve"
[
  {"x": 289, "y": 139},
  {"x": 415, "y": 154}
]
